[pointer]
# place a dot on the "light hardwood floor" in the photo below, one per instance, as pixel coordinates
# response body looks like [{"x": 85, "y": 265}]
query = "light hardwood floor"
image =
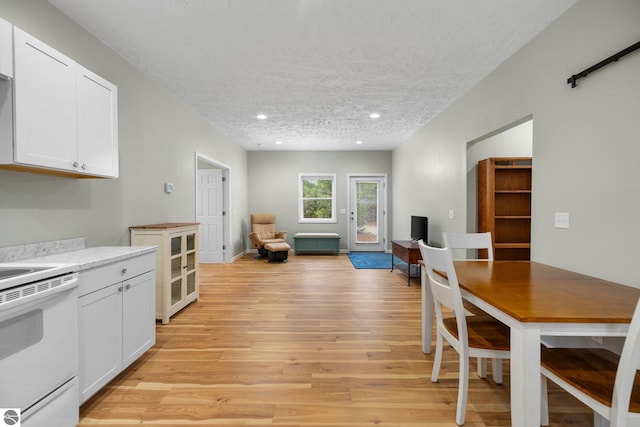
[{"x": 311, "y": 342}]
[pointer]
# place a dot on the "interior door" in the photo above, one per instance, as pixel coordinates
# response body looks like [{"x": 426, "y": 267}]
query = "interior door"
[
  {"x": 209, "y": 213},
  {"x": 367, "y": 196}
]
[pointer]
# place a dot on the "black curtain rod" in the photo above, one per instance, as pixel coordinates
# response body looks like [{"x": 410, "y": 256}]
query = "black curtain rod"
[{"x": 609, "y": 60}]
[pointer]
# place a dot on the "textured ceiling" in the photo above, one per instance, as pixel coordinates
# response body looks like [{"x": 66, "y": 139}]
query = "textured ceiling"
[{"x": 316, "y": 68}]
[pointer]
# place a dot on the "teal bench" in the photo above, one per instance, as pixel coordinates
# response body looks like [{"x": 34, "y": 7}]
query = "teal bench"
[{"x": 316, "y": 242}]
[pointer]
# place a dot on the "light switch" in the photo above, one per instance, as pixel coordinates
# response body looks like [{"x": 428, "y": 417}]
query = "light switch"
[
  {"x": 562, "y": 220},
  {"x": 452, "y": 214}
]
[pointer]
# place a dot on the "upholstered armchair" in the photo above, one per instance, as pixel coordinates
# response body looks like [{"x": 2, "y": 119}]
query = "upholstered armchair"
[{"x": 263, "y": 231}]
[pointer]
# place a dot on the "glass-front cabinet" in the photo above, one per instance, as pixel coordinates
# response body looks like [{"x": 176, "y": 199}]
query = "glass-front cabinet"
[
  {"x": 183, "y": 266},
  {"x": 176, "y": 264}
]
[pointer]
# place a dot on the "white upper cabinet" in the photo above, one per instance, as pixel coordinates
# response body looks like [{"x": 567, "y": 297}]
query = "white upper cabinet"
[
  {"x": 6, "y": 51},
  {"x": 65, "y": 116},
  {"x": 45, "y": 105},
  {"x": 97, "y": 124}
]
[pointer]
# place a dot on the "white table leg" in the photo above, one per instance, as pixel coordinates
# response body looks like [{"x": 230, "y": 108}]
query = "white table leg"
[
  {"x": 525, "y": 376},
  {"x": 427, "y": 311}
]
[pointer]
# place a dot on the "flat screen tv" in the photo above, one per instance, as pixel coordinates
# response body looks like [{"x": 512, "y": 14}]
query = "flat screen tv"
[{"x": 419, "y": 228}]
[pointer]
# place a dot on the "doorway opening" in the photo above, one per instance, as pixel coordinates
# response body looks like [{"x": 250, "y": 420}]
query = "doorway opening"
[
  {"x": 512, "y": 140},
  {"x": 212, "y": 209}
]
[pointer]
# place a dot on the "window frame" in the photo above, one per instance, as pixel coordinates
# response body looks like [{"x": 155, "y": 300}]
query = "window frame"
[{"x": 324, "y": 176}]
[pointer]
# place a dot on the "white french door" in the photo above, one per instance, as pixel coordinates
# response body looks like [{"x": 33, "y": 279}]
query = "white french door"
[{"x": 367, "y": 207}]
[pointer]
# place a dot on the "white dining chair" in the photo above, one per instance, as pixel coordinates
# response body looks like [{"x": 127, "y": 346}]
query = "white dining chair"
[
  {"x": 470, "y": 336},
  {"x": 477, "y": 241},
  {"x": 607, "y": 383}
]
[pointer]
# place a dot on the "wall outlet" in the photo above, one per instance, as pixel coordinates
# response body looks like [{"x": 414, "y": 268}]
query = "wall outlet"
[
  {"x": 168, "y": 187},
  {"x": 562, "y": 220}
]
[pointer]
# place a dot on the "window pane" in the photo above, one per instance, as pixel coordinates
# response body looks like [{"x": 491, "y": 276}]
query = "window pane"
[
  {"x": 317, "y": 188},
  {"x": 317, "y": 208},
  {"x": 367, "y": 212}
]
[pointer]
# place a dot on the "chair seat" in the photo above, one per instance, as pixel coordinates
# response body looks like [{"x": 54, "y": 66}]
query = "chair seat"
[
  {"x": 592, "y": 371},
  {"x": 484, "y": 332}
]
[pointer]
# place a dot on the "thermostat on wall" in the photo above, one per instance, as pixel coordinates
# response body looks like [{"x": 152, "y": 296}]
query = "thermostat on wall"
[{"x": 168, "y": 187}]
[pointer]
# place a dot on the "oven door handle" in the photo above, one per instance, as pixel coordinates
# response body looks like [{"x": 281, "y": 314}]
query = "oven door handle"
[{"x": 19, "y": 303}]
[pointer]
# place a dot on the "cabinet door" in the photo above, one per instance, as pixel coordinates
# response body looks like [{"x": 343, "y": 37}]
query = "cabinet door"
[
  {"x": 100, "y": 325},
  {"x": 139, "y": 320},
  {"x": 6, "y": 49},
  {"x": 176, "y": 292},
  {"x": 97, "y": 124},
  {"x": 191, "y": 266},
  {"x": 45, "y": 105}
]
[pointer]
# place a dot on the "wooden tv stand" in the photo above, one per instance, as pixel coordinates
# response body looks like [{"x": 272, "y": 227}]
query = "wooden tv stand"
[{"x": 408, "y": 251}]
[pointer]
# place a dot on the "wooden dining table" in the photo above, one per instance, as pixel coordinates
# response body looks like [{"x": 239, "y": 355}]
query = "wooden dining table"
[{"x": 536, "y": 300}]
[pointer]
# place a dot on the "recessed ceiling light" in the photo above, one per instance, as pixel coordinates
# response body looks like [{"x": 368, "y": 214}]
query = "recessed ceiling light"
[
  {"x": 374, "y": 115},
  {"x": 358, "y": 142},
  {"x": 278, "y": 142},
  {"x": 261, "y": 116}
]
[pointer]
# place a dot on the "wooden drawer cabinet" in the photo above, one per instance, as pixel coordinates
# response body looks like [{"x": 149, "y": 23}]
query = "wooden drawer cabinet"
[{"x": 177, "y": 273}]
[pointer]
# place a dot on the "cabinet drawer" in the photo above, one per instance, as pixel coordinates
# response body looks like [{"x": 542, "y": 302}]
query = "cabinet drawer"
[
  {"x": 400, "y": 251},
  {"x": 103, "y": 276}
]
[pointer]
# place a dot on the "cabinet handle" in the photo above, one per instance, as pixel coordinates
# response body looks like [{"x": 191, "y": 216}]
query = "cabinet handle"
[
  {"x": 119, "y": 288},
  {"x": 124, "y": 270},
  {"x": 128, "y": 286},
  {"x": 84, "y": 166},
  {"x": 75, "y": 164}
]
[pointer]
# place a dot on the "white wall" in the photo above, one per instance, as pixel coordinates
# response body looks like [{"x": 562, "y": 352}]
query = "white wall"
[
  {"x": 158, "y": 137},
  {"x": 586, "y": 143},
  {"x": 273, "y": 184}
]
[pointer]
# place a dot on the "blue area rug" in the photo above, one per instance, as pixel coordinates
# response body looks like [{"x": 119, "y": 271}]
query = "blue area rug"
[{"x": 370, "y": 260}]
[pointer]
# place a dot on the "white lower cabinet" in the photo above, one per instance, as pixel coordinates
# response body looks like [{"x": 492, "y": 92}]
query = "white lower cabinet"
[{"x": 117, "y": 319}]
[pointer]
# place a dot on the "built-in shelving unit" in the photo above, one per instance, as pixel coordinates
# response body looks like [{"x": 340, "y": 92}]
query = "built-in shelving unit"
[{"x": 504, "y": 205}]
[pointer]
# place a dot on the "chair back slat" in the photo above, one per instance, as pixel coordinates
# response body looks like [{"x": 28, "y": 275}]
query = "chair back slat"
[{"x": 469, "y": 241}]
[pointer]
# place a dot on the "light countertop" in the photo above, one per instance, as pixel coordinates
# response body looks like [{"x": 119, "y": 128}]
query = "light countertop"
[{"x": 93, "y": 257}]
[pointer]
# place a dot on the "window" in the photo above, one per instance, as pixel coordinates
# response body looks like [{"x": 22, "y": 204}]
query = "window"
[{"x": 317, "y": 198}]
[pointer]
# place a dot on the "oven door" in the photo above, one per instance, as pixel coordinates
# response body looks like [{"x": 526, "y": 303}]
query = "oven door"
[{"x": 38, "y": 344}]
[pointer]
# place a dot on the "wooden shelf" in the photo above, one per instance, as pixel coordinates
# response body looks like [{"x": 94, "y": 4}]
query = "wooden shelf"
[
  {"x": 512, "y": 245},
  {"x": 504, "y": 205}
]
